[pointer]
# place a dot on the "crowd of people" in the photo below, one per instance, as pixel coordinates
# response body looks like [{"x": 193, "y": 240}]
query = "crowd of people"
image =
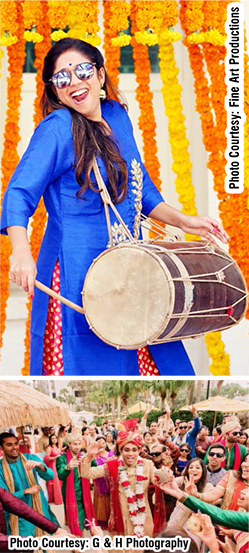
[{"x": 130, "y": 478}]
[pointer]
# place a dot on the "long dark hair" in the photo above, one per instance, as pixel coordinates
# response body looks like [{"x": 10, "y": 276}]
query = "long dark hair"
[
  {"x": 50, "y": 440},
  {"x": 90, "y": 138},
  {"x": 239, "y": 471},
  {"x": 203, "y": 480}
]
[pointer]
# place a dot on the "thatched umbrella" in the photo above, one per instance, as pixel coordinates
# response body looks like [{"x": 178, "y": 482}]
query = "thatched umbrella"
[
  {"x": 21, "y": 404},
  {"x": 220, "y": 403}
]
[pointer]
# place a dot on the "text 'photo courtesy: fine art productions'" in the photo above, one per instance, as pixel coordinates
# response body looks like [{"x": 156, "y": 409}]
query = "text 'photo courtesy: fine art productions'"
[{"x": 124, "y": 199}]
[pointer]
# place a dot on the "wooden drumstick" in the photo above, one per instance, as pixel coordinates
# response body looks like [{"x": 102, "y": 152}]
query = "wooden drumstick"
[{"x": 58, "y": 297}]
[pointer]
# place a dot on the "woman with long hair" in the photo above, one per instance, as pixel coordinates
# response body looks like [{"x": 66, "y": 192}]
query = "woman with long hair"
[
  {"x": 195, "y": 472},
  {"x": 53, "y": 486},
  {"x": 78, "y": 127}
]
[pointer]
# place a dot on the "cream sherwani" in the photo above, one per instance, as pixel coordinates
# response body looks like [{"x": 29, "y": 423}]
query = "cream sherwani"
[{"x": 148, "y": 472}]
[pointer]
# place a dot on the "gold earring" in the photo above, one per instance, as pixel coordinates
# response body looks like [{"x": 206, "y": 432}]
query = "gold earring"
[{"x": 102, "y": 93}]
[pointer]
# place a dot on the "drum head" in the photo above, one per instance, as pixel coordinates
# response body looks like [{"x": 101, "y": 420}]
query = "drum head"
[{"x": 128, "y": 296}]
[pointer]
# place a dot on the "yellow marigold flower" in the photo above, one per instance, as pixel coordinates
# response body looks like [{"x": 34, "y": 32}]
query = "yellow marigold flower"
[
  {"x": 8, "y": 40},
  {"x": 170, "y": 36},
  {"x": 121, "y": 40},
  {"x": 196, "y": 38},
  {"x": 215, "y": 37},
  {"x": 146, "y": 37},
  {"x": 94, "y": 40},
  {"x": 31, "y": 36},
  {"x": 57, "y": 35}
]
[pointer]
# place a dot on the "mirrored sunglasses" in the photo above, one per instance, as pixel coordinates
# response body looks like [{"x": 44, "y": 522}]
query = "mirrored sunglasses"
[
  {"x": 83, "y": 71},
  {"x": 213, "y": 454}
]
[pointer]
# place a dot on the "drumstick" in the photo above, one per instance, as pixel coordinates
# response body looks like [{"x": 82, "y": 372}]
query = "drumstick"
[{"x": 58, "y": 297}]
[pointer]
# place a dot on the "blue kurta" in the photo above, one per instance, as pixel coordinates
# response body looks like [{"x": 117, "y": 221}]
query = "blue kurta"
[
  {"x": 76, "y": 233},
  {"x": 21, "y": 483}
]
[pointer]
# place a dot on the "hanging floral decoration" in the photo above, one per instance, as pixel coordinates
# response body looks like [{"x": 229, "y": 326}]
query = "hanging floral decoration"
[
  {"x": 120, "y": 12},
  {"x": 144, "y": 96},
  {"x": 220, "y": 365},
  {"x": 16, "y": 57},
  {"x": 58, "y": 14},
  {"x": 32, "y": 15},
  {"x": 145, "y": 22},
  {"x": 112, "y": 53},
  {"x": 216, "y": 350},
  {"x": 82, "y": 19},
  {"x": 39, "y": 217},
  {"x": 9, "y": 23}
]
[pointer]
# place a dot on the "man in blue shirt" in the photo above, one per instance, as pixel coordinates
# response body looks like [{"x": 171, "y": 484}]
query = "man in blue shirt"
[
  {"x": 185, "y": 437},
  {"x": 18, "y": 474}
]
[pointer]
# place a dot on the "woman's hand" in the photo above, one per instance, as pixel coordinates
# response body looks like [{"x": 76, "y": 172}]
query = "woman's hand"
[
  {"x": 207, "y": 534},
  {"x": 23, "y": 270},
  {"x": 226, "y": 546},
  {"x": 189, "y": 486},
  {"x": 207, "y": 227}
]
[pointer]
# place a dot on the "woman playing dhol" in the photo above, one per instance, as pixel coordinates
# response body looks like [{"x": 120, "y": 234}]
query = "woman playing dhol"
[{"x": 57, "y": 165}]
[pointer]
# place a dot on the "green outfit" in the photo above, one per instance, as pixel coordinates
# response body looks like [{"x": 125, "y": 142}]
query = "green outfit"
[
  {"x": 229, "y": 462},
  {"x": 230, "y": 519},
  {"x": 21, "y": 483},
  {"x": 63, "y": 473}
]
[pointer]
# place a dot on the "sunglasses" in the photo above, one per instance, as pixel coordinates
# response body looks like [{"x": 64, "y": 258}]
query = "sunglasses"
[
  {"x": 235, "y": 433},
  {"x": 184, "y": 450},
  {"x": 218, "y": 455},
  {"x": 83, "y": 71},
  {"x": 182, "y": 427},
  {"x": 156, "y": 453}
]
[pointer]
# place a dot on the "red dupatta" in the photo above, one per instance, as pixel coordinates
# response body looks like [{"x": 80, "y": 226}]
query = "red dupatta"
[
  {"x": 71, "y": 508},
  {"x": 159, "y": 511},
  {"x": 115, "y": 523}
]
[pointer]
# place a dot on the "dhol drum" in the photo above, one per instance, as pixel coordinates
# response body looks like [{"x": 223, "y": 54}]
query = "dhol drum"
[{"x": 148, "y": 293}]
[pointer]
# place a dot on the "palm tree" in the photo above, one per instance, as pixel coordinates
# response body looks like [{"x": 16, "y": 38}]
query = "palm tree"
[{"x": 168, "y": 389}]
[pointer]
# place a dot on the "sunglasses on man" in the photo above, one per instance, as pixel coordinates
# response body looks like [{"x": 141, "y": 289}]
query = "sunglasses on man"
[
  {"x": 156, "y": 453},
  {"x": 213, "y": 454},
  {"x": 182, "y": 427},
  {"x": 235, "y": 433},
  {"x": 83, "y": 71}
]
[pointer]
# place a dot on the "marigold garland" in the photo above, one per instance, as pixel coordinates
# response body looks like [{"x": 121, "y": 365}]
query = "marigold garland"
[
  {"x": 10, "y": 158},
  {"x": 39, "y": 217},
  {"x": 9, "y": 23},
  {"x": 32, "y": 16},
  {"x": 144, "y": 96},
  {"x": 112, "y": 53},
  {"x": 220, "y": 359},
  {"x": 220, "y": 365},
  {"x": 58, "y": 13},
  {"x": 83, "y": 21},
  {"x": 120, "y": 12}
]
